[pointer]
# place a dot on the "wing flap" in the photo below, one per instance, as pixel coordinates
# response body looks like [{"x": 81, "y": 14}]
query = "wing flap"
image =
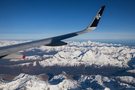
[
  {"x": 60, "y": 43},
  {"x": 13, "y": 56}
]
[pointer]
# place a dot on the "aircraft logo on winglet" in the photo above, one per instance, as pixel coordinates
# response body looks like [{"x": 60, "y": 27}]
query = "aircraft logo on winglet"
[{"x": 98, "y": 16}]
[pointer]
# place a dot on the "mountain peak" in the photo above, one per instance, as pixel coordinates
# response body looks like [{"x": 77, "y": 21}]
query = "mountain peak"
[{"x": 58, "y": 82}]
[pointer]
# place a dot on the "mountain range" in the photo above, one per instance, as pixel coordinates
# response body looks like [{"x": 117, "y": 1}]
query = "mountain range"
[{"x": 84, "y": 65}]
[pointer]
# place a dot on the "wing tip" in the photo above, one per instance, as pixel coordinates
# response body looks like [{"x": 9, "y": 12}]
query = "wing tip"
[
  {"x": 103, "y": 6},
  {"x": 94, "y": 22},
  {"x": 96, "y": 19}
]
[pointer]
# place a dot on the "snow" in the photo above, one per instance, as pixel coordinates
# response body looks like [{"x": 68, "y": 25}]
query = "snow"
[
  {"x": 62, "y": 82},
  {"x": 31, "y": 82},
  {"x": 76, "y": 53},
  {"x": 102, "y": 83},
  {"x": 126, "y": 79},
  {"x": 25, "y": 81},
  {"x": 10, "y": 42},
  {"x": 131, "y": 71}
]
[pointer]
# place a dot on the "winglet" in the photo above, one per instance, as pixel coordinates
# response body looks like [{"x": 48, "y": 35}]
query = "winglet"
[{"x": 94, "y": 22}]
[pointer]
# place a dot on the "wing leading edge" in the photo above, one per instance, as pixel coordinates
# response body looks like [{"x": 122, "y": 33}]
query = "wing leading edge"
[{"x": 10, "y": 51}]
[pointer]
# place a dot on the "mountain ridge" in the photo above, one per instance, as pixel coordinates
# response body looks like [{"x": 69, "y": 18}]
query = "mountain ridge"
[
  {"x": 63, "y": 82},
  {"x": 86, "y": 66}
]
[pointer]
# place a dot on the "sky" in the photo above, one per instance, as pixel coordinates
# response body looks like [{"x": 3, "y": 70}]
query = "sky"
[{"x": 38, "y": 19}]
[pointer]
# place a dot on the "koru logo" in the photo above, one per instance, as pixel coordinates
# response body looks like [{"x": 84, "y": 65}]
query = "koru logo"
[{"x": 98, "y": 16}]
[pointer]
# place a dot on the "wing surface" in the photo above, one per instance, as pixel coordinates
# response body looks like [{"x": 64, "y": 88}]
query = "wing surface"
[{"x": 10, "y": 51}]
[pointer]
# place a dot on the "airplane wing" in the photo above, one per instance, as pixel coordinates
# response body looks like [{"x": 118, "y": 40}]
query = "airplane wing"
[{"x": 9, "y": 52}]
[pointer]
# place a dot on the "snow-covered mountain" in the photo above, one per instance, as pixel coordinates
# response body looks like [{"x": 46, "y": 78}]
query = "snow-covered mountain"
[
  {"x": 76, "y": 53},
  {"x": 24, "y": 82},
  {"x": 79, "y": 59},
  {"x": 66, "y": 82}
]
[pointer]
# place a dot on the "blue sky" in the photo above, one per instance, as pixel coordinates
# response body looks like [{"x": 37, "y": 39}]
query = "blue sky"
[{"x": 37, "y": 19}]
